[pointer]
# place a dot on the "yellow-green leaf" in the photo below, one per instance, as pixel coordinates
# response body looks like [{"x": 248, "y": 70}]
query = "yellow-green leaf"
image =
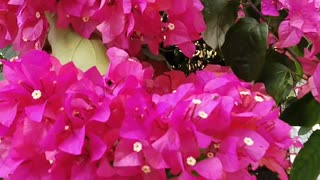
[{"x": 69, "y": 46}]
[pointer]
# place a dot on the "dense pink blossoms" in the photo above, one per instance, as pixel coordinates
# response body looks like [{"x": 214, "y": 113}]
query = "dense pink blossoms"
[
  {"x": 60, "y": 123},
  {"x": 127, "y": 24},
  {"x": 303, "y": 21}
]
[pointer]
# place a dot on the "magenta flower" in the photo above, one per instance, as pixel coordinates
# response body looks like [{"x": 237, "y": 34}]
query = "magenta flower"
[
  {"x": 133, "y": 125},
  {"x": 32, "y": 24},
  {"x": 8, "y": 24},
  {"x": 82, "y": 15}
]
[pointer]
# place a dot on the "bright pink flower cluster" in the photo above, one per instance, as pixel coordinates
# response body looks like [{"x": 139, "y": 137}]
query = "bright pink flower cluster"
[
  {"x": 127, "y": 24},
  {"x": 303, "y": 20},
  {"x": 23, "y": 23},
  {"x": 60, "y": 123}
]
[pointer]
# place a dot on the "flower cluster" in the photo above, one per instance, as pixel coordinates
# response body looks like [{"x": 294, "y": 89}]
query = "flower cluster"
[
  {"x": 127, "y": 24},
  {"x": 60, "y": 123},
  {"x": 303, "y": 21}
]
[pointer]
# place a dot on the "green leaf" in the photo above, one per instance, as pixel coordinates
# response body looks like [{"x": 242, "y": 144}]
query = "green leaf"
[
  {"x": 219, "y": 15},
  {"x": 69, "y": 46},
  {"x": 306, "y": 165},
  {"x": 8, "y": 52},
  {"x": 304, "y": 130},
  {"x": 302, "y": 112},
  {"x": 276, "y": 75},
  {"x": 245, "y": 47}
]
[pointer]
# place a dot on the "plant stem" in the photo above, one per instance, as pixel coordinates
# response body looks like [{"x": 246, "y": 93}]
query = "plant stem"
[{"x": 250, "y": 3}]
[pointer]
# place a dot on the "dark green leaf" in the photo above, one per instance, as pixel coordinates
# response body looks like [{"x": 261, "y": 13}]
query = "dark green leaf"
[
  {"x": 219, "y": 15},
  {"x": 276, "y": 75},
  {"x": 1, "y": 76},
  {"x": 303, "y": 112},
  {"x": 304, "y": 130},
  {"x": 275, "y": 78},
  {"x": 306, "y": 165},
  {"x": 245, "y": 48}
]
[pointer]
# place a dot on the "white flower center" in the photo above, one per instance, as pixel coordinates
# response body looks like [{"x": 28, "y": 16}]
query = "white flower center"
[
  {"x": 36, "y": 94},
  {"x": 171, "y": 26},
  {"x": 191, "y": 161},
  {"x": 146, "y": 169},
  {"x": 248, "y": 141},
  {"x": 85, "y": 19},
  {"x": 137, "y": 147},
  {"x": 38, "y": 15},
  {"x": 196, "y": 101},
  {"x": 210, "y": 154},
  {"x": 203, "y": 114},
  {"x": 244, "y": 93},
  {"x": 258, "y": 98}
]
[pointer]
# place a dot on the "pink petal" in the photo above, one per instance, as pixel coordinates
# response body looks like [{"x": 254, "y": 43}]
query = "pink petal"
[
  {"x": 210, "y": 168},
  {"x": 97, "y": 147},
  {"x": 125, "y": 156},
  {"x": 170, "y": 141},
  {"x": 268, "y": 7},
  {"x": 314, "y": 83},
  {"x": 73, "y": 143},
  {"x": 35, "y": 112},
  {"x": 187, "y": 48},
  {"x": 8, "y": 113},
  {"x": 288, "y": 35}
]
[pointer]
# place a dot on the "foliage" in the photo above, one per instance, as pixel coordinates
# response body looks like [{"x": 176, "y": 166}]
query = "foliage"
[
  {"x": 245, "y": 48},
  {"x": 308, "y": 160}
]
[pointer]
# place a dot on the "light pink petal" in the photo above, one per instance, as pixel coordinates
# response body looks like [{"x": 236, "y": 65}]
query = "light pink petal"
[
  {"x": 187, "y": 48},
  {"x": 102, "y": 113},
  {"x": 170, "y": 141},
  {"x": 154, "y": 158},
  {"x": 126, "y": 156},
  {"x": 288, "y": 35},
  {"x": 228, "y": 154},
  {"x": 268, "y": 7},
  {"x": 97, "y": 147},
  {"x": 210, "y": 168},
  {"x": 314, "y": 83},
  {"x": 132, "y": 129},
  {"x": 33, "y": 33},
  {"x": 8, "y": 165},
  {"x": 35, "y": 112},
  {"x": 8, "y": 113},
  {"x": 73, "y": 143}
]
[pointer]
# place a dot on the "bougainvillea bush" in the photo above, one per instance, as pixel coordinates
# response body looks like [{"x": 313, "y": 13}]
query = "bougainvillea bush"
[{"x": 158, "y": 89}]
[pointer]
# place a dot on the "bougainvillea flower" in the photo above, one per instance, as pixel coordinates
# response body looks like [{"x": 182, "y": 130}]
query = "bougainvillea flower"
[
  {"x": 288, "y": 35},
  {"x": 209, "y": 125},
  {"x": 113, "y": 23},
  {"x": 32, "y": 24},
  {"x": 271, "y": 7},
  {"x": 314, "y": 83},
  {"x": 8, "y": 24}
]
